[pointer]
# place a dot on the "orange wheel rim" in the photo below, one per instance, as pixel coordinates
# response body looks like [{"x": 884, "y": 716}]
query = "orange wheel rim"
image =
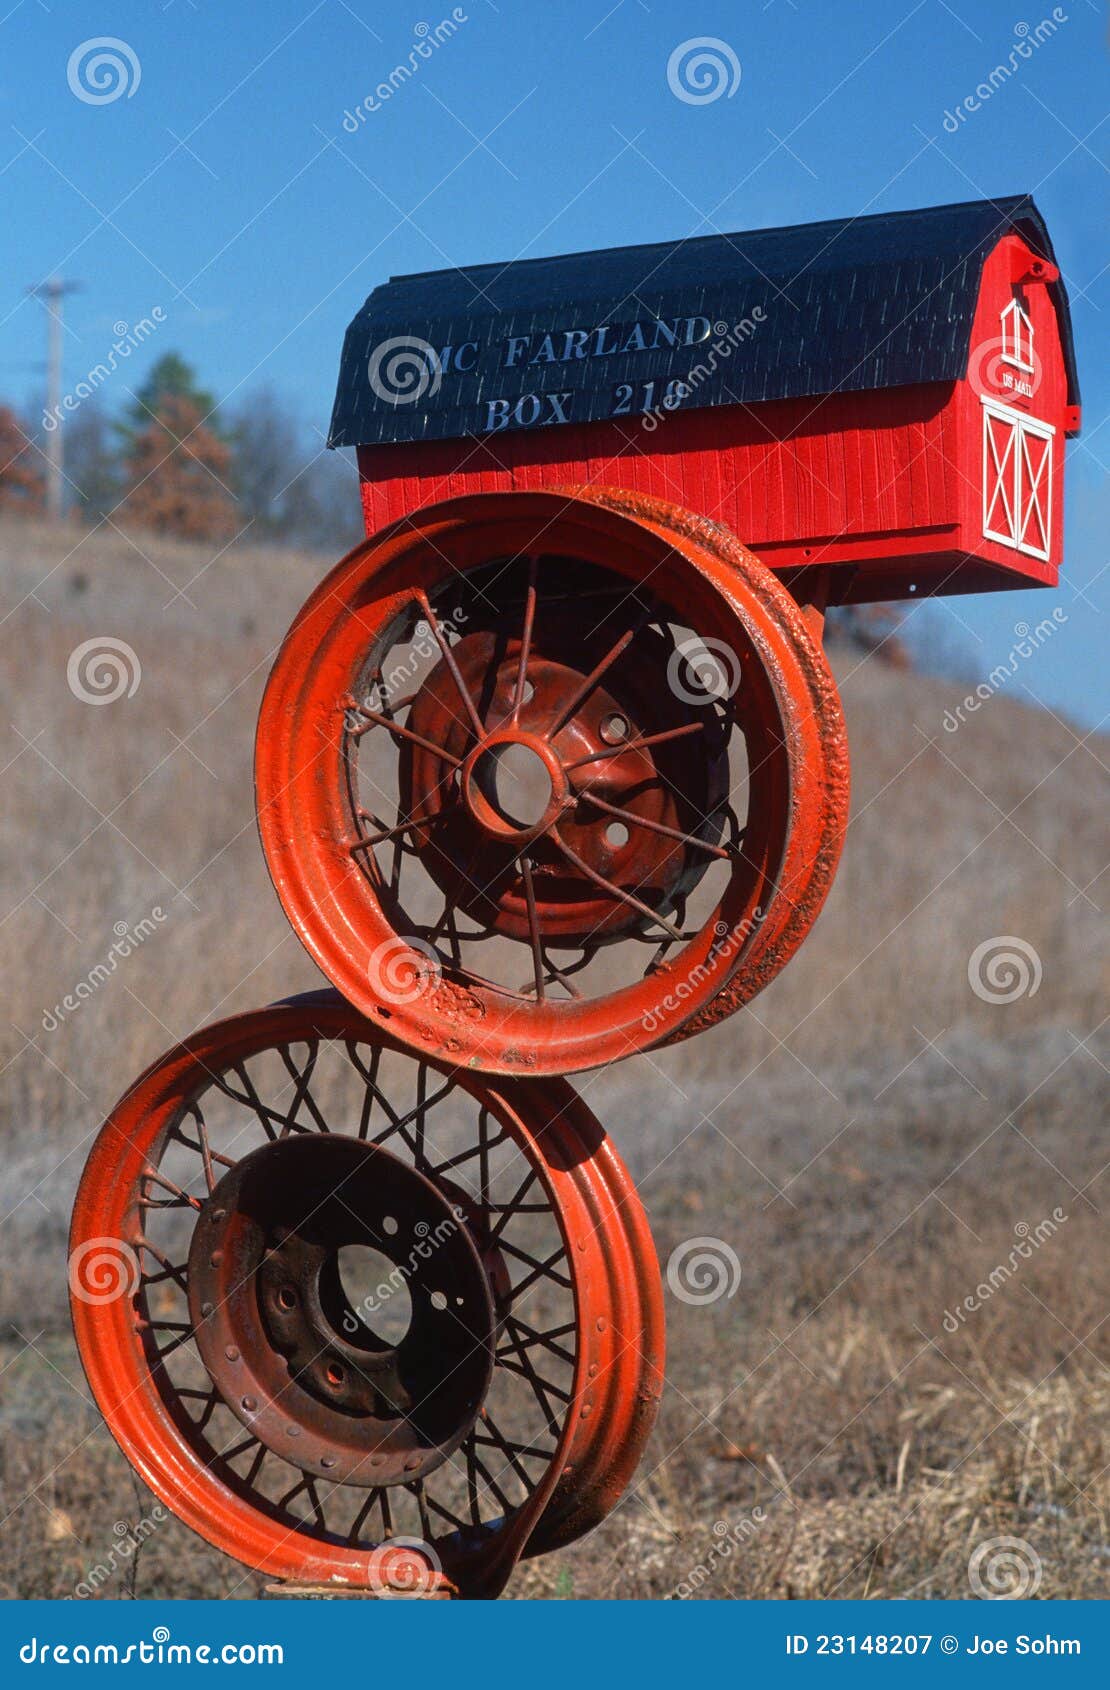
[
  {"x": 548, "y": 1234},
  {"x": 645, "y": 870}
]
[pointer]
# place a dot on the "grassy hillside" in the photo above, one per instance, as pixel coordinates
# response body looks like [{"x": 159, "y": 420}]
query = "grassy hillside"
[{"x": 869, "y": 1136}]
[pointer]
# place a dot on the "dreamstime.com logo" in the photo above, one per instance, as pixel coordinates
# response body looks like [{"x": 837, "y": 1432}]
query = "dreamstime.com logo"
[
  {"x": 1004, "y": 1569},
  {"x": 121, "y": 1554},
  {"x": 102, "y": 70},
  {"x": 1003, "y": 969},
  {"x": 426, "y": 40},
  {"x": 403, "y": 969},
  {"x": 727, "y": 940},
  {"x": 103, "y": 669},
  {"x": 158, "y": 1651},
  {"x": 1027, "y": 641},
  {"x": 422, "y": 646},
  {"x": 127, "y": 939},
  {"x": 1025, "y": 42},
  {"x": 404, "y": 1567},
  {"x": 703, "y": 671},
  {"x": 1027, "y": 1241},
  {"x": 428, "y": 1241},
  {"x": 727, "y": 1538},
  {"x": 101, "y": 1270},
  {"x": 404, "y": 369},
  {"x": 724, "y": 345},
  {"x": 989, "y": 370},
  {"x": 128, "y": 338},
  {"x": 703, "y": 1270},
  {"x": 703, "y": 69}
]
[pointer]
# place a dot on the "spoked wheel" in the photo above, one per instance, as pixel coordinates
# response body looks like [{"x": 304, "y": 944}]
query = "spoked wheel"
[
  {"x": 355, "y": 1320},
  {"x": 544, "y": 778}
]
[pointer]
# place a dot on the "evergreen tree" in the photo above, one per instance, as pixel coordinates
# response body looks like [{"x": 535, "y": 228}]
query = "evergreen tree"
[
  {"x": 176, "y": 461},
  {"x": 177, "y": 472}
]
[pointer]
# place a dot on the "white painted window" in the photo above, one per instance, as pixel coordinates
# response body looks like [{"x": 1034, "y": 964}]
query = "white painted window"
[
  {"x": 1017, "y": 480},
  {"x": 1017, "y": 337}
]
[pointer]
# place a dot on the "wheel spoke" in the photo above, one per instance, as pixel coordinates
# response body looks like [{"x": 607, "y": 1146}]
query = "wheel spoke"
[
  {"x": 547, "y": 1339},
  {"x": 534, "y": 936},
  {"x": 637, "y": 744},
  {"x": 589, "y": 682},
  {"x": 452, "y": 664},
  {"x": 611, "y": 886},
  {"x": 516, "y": 1205},
  {"x": 366, "y": 841},
  {"x": 376, "y": 719},
  {"x": 676, "y": 833},
  {"x": 182, "y": 1199},
  {"x": 525, "y": 639},
  {"x": 540, "y": 1269}
]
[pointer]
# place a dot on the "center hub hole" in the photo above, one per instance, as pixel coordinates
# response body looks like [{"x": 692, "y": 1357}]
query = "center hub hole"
[
  {"x": 515, "y": 782},
  {"x": 377, "y": 1292}
]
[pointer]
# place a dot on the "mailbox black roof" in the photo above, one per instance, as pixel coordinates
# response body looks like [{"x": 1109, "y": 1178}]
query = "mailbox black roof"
[{"x": 858, "y": 303}]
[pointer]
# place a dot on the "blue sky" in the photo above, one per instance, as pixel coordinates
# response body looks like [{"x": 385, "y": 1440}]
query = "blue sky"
[{"x": 226, "y": 190}]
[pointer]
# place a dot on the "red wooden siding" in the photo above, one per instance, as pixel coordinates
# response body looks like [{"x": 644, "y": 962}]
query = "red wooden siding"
[{"x": 884, "y": 486}]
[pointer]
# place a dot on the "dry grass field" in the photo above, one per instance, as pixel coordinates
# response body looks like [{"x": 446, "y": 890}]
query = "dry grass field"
[{"x": 870, "y": 1137}]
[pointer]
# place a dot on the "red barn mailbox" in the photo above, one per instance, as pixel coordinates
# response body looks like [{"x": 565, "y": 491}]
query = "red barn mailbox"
[{"x": 882, "y": 400}]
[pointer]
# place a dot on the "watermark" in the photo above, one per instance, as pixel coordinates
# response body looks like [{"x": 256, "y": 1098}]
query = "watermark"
[
  {"x": 127, "y": 940},
  {"x": 102, "y": 1270},
  {"x": 102, "y": 70},
  {"x": 403, "y": 969},
  {"x": 122, "y": 1553},
  {"x": 387, "y": 686},
  {"x": 158, "y": 1651},
  {"x": 404, "y": 369},
  {"x": 1004, "y": 1569},
  {"x": 728, "y": 1537},
  {"x": 1026, "y": 42},
  {"x": 727, "y": 940},
  {"x": 1029, "y": 1241},
  {"x": 1028, "y": 640},
  {"x": 428, "y": 1240},
  {"x": 103, "y": 669},
  {"x": 403, "y": 1567},
  {"x": 128, "y": 337},
  {"x": 1003, "y": 969},
  {"x": 427, "y": 40},
  {"x": 991, "y": 368},
  {"x": 703, "y": 69},
  {"x": 703, "y": 671},
  {"x": 681, "y": 387},
  {"x": 703, "y": 1270}
]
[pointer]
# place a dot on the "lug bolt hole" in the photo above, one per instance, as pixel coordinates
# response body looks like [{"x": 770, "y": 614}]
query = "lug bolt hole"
[
  {"x": 616, "y": 835},
  {"x": 439, "y": 1301},
  {"x": 287, "y": 1297},
  {"x": 334, "y": 1375},
  {"x": 615, "y": 729},
  {"x": 389, "y": 1225}
]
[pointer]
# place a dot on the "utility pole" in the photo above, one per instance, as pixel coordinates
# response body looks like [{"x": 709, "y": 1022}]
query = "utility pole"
[{"x": 52, "y": 292}]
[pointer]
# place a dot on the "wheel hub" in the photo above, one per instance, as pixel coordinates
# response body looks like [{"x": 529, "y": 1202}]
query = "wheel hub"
[
  {"x": 547, "y": 763},
  {"x": 514, "y": 786},
  {"x": 295, "y": 1358}
]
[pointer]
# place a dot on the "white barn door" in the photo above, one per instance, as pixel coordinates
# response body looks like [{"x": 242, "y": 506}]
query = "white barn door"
[{"x": 1017, "y": 480}]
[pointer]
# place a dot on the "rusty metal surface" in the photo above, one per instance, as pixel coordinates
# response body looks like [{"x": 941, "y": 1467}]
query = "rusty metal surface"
[
  {"x": 321, "y": 850},
  {"x": 609, "y": 1269},
  {"x": 308, "y": 1377},
  {"x": 820, "y": 789}
]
